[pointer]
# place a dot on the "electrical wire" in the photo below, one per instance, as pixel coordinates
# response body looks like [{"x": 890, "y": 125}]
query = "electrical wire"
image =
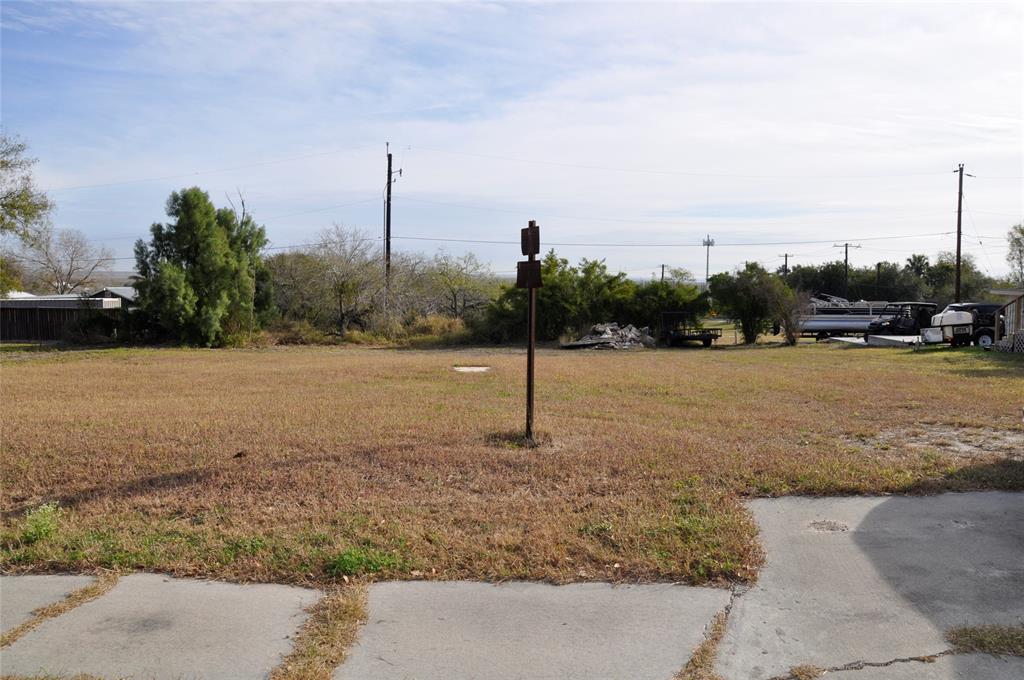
[{"x": 680, "y": 173}]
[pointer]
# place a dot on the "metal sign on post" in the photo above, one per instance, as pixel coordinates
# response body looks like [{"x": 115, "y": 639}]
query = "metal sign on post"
[{"x": 528, "y": 277}]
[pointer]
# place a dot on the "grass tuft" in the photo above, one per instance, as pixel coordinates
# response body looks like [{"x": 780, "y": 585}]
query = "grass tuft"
[
  {"x": 359, "y": 561},
  {"x": 105, "y": 580},
  {"x": 701, "y": 665},
  {"x": 991, "y": 639},
  {"x": 321, "y": 645}
]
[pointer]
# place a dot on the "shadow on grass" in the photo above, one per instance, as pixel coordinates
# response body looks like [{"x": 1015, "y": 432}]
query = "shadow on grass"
[
  {"x": 1001, "y": 475},
  {"x": 136, "y": 487},
  {"x": 173, "y": 480},
  {"x": 517, "y": 440},
  {"x": 999, "y": 365}
]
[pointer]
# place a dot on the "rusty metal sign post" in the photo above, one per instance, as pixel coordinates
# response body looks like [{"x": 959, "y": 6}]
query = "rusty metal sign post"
[{"x": 528, "y": 277}]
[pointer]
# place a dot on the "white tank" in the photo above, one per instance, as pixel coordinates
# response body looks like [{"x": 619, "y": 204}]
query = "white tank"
[{"x": 950, "y": 322}]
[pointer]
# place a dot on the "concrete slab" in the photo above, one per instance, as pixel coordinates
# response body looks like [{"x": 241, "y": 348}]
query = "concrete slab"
[
  {"x": 874, "y": 579},
  {"x": 967, "y": 667},
  {"x": 22, "y": 595},
  {"x": 154, "y": 627},
  {"x": 472, "y": 631}
]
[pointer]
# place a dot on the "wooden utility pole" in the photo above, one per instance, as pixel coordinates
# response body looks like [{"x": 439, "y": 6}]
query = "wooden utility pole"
[
  {"x": 846, "y": 267},
  {"x": 960, "y": 210},
  {"x": 663, "y": 273},
  {"x": 387, "y": 227},
  {"x": 785, "y": 262}
]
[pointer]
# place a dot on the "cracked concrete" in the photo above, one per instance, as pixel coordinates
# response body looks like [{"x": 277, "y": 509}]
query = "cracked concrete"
[
  {"x": 960, "y": 667},
  {"x": 583, "y": 631},
  {"x": 22, "y": 595},
  {"x": 904, "y": 571},
  {"x": 155, "y": 627}
]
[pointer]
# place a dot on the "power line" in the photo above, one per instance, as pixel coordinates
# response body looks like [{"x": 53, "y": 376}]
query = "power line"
[
  {"x": 682, "y": 173},
  {"x": 641, "y": 221},
  {"x": 578, "y": 244}
]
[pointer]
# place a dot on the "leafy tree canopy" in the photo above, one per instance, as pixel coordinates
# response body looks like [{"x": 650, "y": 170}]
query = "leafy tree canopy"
[
  {"x": 751, "y": 296},
  {"x": 201, "y": 278},
  {"x": 23, "y": 208}
]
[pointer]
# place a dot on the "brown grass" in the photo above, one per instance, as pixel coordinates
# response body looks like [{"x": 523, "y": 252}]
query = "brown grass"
[
  {"x": 701, "y": 665},
  {"x": 105, "y": 580},
  {"x": 328, "y": 633},
  {"x": 992, "y": 639},
  {"x": 309, "y": 464}
]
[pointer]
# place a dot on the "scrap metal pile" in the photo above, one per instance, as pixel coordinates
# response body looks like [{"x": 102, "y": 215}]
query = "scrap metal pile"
[{"x": 611, "y": 336}]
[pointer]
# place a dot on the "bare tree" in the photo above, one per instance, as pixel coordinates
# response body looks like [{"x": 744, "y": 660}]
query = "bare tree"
[
  {"x": 464, "y": 283},
  {"x": 63, "y": 261},
  {"x": 354, "y": 272}
]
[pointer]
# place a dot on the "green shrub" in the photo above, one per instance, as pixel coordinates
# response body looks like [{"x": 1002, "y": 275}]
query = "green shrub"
[
  {"x": 41, "y": 523},
  {"x": 356, "y": 561},
  {"x": 288, "y": 332},
  {"x": 435, "y": 324}
]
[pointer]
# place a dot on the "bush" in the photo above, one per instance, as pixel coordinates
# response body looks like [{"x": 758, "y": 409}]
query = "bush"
[
  {"x": 92, "y": 329},
  {"x": 286, "y": 332},
  {"x": 41, "y": 523},
  {"x": 435, "y": 329},
  {"x": 435, "y": 324}
]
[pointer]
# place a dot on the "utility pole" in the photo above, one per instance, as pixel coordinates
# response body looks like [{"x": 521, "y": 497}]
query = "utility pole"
[
  {"x": 663, "y": 273},
  {"x": 785, "y": 262},
  {"x": 387, "y": 226},
  {"x": 846, "y": 267},
  {"x": 959, "y": 211},
  {"x": 707, "y": 243}
]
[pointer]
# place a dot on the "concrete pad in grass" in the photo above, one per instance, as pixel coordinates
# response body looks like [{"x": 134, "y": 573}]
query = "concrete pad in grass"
[
  {"x": 875, "y": 579},
  {"x": 473, "y": 631},
  {"x": 22, "y": 595},
  {"x": 155, "y": 627}
]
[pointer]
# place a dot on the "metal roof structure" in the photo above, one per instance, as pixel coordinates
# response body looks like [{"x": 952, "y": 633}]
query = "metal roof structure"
[{"x": 125, "y": 292}]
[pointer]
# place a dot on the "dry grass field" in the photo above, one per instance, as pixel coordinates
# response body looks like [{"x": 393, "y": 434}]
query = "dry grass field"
[{"x": 321, "y": 464}]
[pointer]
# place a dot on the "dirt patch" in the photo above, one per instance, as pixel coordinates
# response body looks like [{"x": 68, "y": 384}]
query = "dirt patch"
[{"x": 958, "y": 442}]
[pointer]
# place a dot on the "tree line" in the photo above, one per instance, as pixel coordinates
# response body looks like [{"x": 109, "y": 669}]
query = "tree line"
[{"x": 206, "y": 277}]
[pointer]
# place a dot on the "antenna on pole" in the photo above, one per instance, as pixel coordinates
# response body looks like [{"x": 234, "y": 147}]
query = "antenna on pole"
[{"x": 707, "y": 243}]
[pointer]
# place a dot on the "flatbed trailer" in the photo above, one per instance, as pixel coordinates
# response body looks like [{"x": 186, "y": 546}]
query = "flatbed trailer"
[
  {"x": 705, "y": 336},
  {"x": 679, "y": 328}
]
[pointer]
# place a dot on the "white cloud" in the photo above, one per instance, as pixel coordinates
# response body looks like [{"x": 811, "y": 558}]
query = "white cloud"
[{"x": 795, "y": 94}]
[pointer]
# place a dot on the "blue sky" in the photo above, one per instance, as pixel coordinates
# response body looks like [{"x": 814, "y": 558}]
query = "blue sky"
[{"x": 609, "y": 123}]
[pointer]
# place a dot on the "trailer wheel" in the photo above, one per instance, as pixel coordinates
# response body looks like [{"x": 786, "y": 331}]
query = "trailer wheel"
[
  {"x": 706, "y": 342},
  {"x": 983, "y": 340}
]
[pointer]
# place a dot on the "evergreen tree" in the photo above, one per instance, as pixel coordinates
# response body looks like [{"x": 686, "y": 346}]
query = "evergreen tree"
[{"x": 201, "y": 278}]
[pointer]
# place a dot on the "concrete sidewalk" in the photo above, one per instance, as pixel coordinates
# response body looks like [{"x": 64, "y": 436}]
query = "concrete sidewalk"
[
  {"x": 875, "y": 579},
  {"x": 853, "y": 585},
  {"x": 586, "y": 631}
]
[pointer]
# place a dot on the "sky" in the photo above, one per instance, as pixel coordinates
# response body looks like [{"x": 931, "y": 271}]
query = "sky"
[{"x": 630, "y": 132}]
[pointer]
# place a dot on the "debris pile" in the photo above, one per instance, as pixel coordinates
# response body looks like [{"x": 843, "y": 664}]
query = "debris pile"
[{"x": 610, "y": 336}]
